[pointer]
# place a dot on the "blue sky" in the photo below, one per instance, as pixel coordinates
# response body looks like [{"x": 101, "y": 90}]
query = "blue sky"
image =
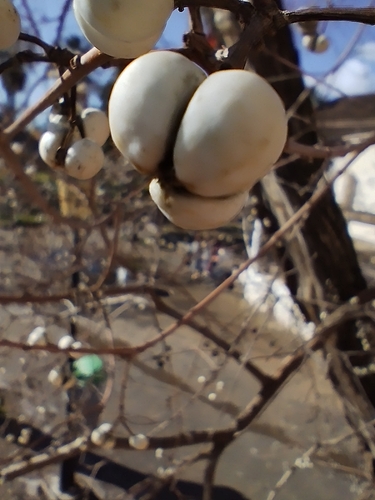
[
  {"x": 43, "y": 21},
  {"x": 351, "y": 43},
  {"x": 354, "y": 75}
]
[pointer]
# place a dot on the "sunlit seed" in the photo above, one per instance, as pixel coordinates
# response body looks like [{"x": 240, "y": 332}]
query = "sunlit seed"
[
  {"x": 139, "y": 442},
  {"x": 219, "y": 386}
]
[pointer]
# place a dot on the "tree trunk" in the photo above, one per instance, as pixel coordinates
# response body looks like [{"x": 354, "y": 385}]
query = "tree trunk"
[{"x": 321, "y": 252}]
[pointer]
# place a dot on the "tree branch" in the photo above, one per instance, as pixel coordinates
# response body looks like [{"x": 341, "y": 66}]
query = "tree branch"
[
  {"x": 356, "y": 15},
  {"x": 325, "y": 152},
  {"x": 87, "y": 63}
]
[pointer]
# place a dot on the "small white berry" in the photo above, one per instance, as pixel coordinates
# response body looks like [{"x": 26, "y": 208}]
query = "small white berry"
[
  {"x": 49, "y": 143},
  {"x": 100, "y": 435},
  {"x": 139, "y": 442},
  {"x": 317, "y": 43},
  {"x": 55, "y": 377},
  {"x": 65, "y": 342},
  {"x": 84, "y": 159},
  {"x": 95, "y": 125}
]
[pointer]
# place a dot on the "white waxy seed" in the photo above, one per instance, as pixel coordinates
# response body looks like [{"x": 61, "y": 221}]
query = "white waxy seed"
[
  {"x": 84, "y": 159},
  {"x": 139, "y": 442}
]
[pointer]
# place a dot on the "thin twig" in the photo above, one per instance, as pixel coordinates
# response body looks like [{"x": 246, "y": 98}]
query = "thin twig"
[
  {"x": 363, "y": 15},
  {"x": 298, "y": 217},
  {"x": 209, "y": 474},
  {"x": 87, "y": 63},
  {"x": 162, "y": 307},
  {"x": 325, "y": 152},
  {"x": 42, "y": 460}
]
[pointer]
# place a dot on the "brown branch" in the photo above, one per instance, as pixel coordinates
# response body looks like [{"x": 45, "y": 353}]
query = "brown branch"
[
  {"x": 56, "y": 55},
  {"x": 37, "y": 462},
  {"x": 363, "y": 15},
  {"x": 220, "y": 438},
  {"x": 209, "y": 334},
  {"x": 70, "y": 295},
  {"x": 126, "y": 352},
  {"x": 241, "y": 9},
  {"x": 305, "y": 458},
  {"x": 25, "y": 56},
  {"x": 325, "y": 152},
  {"x": 196, "y": 20},
  {"x": 13, "y": 163},
  {"x": 209, "y": 474},
  {"x": 251, "y": 37},
  {"x": 365, "y": 217},
  {"x": 297, "y": 218},
  {"x": 87, "y": 63},
  {"x": 113, "y": 245},
  {"x": 245, "y": 10},
  {"x": 349, "y": 311}
]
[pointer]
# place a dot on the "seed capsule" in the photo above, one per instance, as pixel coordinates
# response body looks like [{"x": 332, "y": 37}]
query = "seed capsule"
[
  {"x": 95, "y": 125},
  {"x": 232, "y": 132},
  {"x": 49, "y": 143},
  {"x": 147, "y": 103},
  {"x": 84, "y": 159},
  {"x": 189, "y": 211}
]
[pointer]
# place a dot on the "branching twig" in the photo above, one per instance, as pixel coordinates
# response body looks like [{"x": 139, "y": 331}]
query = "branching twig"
[
  {"x": 325, "y": 152},
  {"x": 196, "y": 20},
  {"x": 241, "y": 9},
  {"x": 299, "y": 216},
  {"x": 69, "y": 295},
  {"x": 25, "y": 56},
  {"x": 42, "y": 460},
  {"x": 356, "y": 15},
  {"x": 88, "y": 62},
  {"x": 209, "y": 334},
  {"x": 302, "y": 462},
  {"x": 222, "y": 437}
]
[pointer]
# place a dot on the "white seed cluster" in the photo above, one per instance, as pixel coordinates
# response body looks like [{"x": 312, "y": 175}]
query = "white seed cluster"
[
  {"x": 206, "y": 140},
  {"x": 101, "y": 436},
  {"x": 65, "y": 148}
]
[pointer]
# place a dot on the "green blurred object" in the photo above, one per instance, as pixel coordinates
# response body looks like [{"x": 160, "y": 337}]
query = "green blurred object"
[{"x": 89, "y": 368}]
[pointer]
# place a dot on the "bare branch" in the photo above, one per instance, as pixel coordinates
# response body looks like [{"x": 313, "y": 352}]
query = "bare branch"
[
  {"x": 42, "y": 460},
  {"x": 325, "y": 152},
  {"x": 87, "y": 63},
  {"x": 356, "y": 14}
]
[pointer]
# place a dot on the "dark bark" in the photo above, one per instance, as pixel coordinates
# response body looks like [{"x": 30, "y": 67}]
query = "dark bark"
[
  {"x": 329, "y": 245},
  {"x": 325, "y": 230}
]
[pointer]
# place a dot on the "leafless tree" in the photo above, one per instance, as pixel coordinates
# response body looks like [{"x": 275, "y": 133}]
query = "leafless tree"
[{"x": 201, "y": 396}]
